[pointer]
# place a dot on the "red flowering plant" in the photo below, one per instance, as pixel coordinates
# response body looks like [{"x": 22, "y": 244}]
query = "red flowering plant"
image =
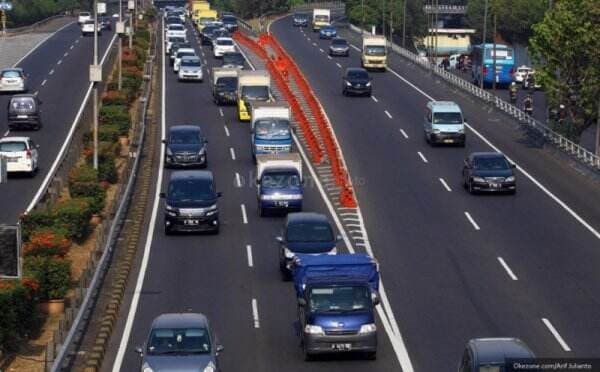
[{"x": 47, "y": 242}]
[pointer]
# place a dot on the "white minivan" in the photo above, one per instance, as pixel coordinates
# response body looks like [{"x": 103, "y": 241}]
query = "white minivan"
[
  {"x": 21, "y": 154},
  {"x": 444, "y": 123}
]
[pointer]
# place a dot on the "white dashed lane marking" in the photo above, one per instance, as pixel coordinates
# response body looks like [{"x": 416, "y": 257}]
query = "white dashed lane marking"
[
  {"x": 338, "y": 65},
  {"x": 422, "y": 157},
  {"x": 472, "y": 221},
  {"x": 388, "y": 114},
  {"x": 226, "y": 130},
  {"x": 232, "y": 152},
  {"x": 244, "y": 215},
  {"x": 249, "y": 254},
  {"x": 556, "y": 335},
  {"x": 404, "y": 133},
  {"x": 445, "y": 185},
  {"x": 508, "y": 270},
  {"x": 374, "y": 98}
]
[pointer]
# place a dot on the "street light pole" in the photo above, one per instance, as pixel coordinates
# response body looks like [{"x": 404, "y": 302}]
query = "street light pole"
[
  {"x": 95, "y": 97},
  {"x": 485, "y": 10},
  {"x": 404, "y": 24},
  {"x": 120, "y": 79},
  {"x": 598, "y": 131},
  {"x": 494, "y": 76},
  {"x": 383, "y": 17}
]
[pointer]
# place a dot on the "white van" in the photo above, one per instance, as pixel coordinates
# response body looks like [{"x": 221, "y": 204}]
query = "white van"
[{"x": 444, "y": 123}]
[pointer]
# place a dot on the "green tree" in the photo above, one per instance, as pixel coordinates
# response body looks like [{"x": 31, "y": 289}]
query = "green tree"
[{"x": 566, "y": 51}]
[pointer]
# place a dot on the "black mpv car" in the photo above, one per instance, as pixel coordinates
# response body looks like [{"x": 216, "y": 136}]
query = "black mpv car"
[
  {"x": 186, "y": 147},
  {"x": 24, "y": 112}
]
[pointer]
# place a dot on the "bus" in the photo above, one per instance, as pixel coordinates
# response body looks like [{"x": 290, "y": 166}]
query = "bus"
[{"x": 505, "y": 64}]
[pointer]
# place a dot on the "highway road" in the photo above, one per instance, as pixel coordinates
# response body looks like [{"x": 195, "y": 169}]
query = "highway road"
[
  {"x": 222, "y": 275},
  {"x": 58, "y": 71},
  {"x": 458, "y": 266}
]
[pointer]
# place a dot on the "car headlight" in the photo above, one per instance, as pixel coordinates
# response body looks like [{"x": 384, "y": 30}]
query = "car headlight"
[
  {"x": 510, "y": 179},
  {"x": 348, "y": 83},
  {"x": 211, "y": 210},
  {"x": 202, "y": 151},
  {"x": 210, "y": 367},
  {"x": 169, "y": 152},
  {"x": 313, "y": 329},
  {"x": 436, "y": 131},
  {"x": 461, "y": 130},
  {"x": 368, "y": 84},
  {"x": 478, "y": 179},
  {"x": 146, "y": 368},
  {"x": 287, "y": 253},
  {"x": 368, "y": 328}
]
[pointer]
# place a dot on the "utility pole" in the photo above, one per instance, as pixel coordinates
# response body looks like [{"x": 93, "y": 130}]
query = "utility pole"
[
  {"x": 598, "y": 131},
  {"x": 435, "y": 31},
  {"x": 494, "y": 76},
  {"x": 362, "y": 7},
  {"x": 120, "y": 52},
  {"x": 485, "y": 10},
  {"x": 404, "y": 24},
  {"x": 391, "y": 20},
  {"x": 383, "y": 17},
  {"x": 3, "y": 17},
  {"x": 95, "y": 97}
]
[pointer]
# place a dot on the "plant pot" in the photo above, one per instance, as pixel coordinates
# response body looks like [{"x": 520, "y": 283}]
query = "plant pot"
[
  {"x": 52, "y": 307},
  {"x": 96, "y": 219},
  {"x": 123, "y": 141}
]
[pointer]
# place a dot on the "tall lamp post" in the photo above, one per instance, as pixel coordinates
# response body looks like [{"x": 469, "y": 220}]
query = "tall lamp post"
[
  {"x": 485, "y": 10},
  {"x": 95, "y": 77},
  {"x": 120, "y": 30}
]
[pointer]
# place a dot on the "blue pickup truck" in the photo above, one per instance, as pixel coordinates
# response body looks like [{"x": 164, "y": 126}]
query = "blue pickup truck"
[
  {"x": 270, "y": 128},
  {"x": 337, "y": 295}
]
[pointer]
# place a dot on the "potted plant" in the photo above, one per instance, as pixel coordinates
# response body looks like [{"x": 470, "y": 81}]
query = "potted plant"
[{"x": 54, "y": 277}]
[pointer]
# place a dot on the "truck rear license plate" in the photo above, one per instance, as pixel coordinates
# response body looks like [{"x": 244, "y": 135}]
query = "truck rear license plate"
[
  {"x": 448, "y": 140},
  {"x": 21, "y": 116},
  {"x": 341, "y": 347},
  {"x": 282, "y": 203},
  {"x": 190, "y": 222}
]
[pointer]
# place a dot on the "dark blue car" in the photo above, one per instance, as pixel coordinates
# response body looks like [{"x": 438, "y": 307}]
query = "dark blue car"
[
  {"x": 327, "y": 32},
  {"x": 186, "y": 147},
  {"x": 494, "y": 354}
]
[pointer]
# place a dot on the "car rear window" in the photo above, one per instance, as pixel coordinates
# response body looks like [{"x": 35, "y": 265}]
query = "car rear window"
[
  {"x": 191, "y": 63},
  {"x": 22, "y": 103},
  {"x": 11, "y": 74},
  {"x": 309, "y": 232},
  {"x": 339, "y": 42},
  {"x": 224, "y": 42},
  {"x": 175, "y": 28},
  {"x": 12, "y": 146},
  {"x": 358, "y": 75}
]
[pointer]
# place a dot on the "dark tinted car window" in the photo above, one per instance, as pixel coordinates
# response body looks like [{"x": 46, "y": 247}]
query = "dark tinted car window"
[
  {"x": 191, "y": 63},
  {"x": 447, "y": 118},
  {"x": 490, "y": 163},
  {"x": 179, "y": 340},
  {"x": 22, "y": 103},
  {"x": 305, "y": 232},
  {"x": 339, "y": 42},
  {"x": 229, "y": 19},
  {"x": 358, "y": 75},
  {"x": 233, "y": 59},
  {"x": 255, "y": 92},
  {"x": 191, "y": 190},
  {"x": 227, "y": 82},
  {"x": 280, "y": 180},
  {"x": 184, "y": 138}
]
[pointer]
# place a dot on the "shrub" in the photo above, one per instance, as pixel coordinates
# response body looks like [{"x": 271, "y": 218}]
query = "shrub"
[
  {"x": 47, "y": 242},
  {"x": 114, "y": 97},
  {"x": 17, "y": 306},
  {"x": 84, "y": 183},
  {"x": 34, "y": 220},
  {"x": 52, "y": 273},
  {"x": 82, "y": 173},
  {"x": 108, "y": 133},
  {"x": 107, "y": 169},
  {"x": 74, "y": 215},
  {"x": 132, "y": 81},
  {"x": 114, "y": 114}
]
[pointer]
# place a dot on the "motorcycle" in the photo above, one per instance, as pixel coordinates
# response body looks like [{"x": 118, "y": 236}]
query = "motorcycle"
[{"x": 513, "y": 96}]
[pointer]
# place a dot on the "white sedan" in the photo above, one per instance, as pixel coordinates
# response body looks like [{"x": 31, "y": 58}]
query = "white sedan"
[
  {"x": 182, "y": 52},
  {"x": 13, "y": 80},
  {"x": 223, "y": 45},
  {"x": 21, "y": 154},
  {"x": 522, "y": 70}
]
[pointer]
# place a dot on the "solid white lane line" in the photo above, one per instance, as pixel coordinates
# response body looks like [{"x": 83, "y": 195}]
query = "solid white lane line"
[
  {"x": 226, "y": 130},
  {"x": 146, "y": 256},
  {"x": 255, "y": 313},
  {"x": 355, "y": 47},
  {"x": 508, "y": 270},
  {"x": 59, "y": 62},
  {"x": 221, "y": 112},
  {"x": 232, "y": 152},
  {"x": 249, "y": 253},
  {"x": 51, "y": 72},
  {"x": 321, "y": 50},
  {"x": 475, "y": 225},
  {"x": 44, "y": 82},
  {"x": 40, "y": 43},
  {"x": 238, "y": 181},
  {"x": 556, "y": 335},
  {"x": 545, "y": 190},
  {"x": 338, "y": 65},
  {"x": 404, "y": 133},
  {"x": 388, "y": 114},
  {"x": 374, "y": 98},
  {"x": 244, "y": 215},
  {"x": 422, "y": 157},
  {"x": 445, "y": 185},
  {"x": 329, "y": 57}
]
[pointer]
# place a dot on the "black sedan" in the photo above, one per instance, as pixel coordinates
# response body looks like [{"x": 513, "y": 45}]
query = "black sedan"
[
  {"x": 186, "y": 147},
  {"x": 300, "y": 20},
  {"x": 356, "y": 80},
  {"x": 488, "y": 172}
]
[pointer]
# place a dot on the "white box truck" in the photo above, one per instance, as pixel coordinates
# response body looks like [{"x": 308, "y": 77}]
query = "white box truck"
[
  {"x": 321, "y": 18},
  {"x": 253, "y": 87},
  {"x": 374, "y": 52}
]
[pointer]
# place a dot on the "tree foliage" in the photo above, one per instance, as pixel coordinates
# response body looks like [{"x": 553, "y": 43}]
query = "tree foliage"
[
  {"x": 26, "y": 12},
  {"x": 371, "y": 13},
  {"x": 566, "y": 51}
]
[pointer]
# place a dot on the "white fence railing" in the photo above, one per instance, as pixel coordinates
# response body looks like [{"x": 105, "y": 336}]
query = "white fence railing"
[{"x": 560, "y": 141}]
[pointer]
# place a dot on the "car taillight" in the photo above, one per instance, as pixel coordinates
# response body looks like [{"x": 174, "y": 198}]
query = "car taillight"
[
  {"x": 28, "y": 154},
  {"x": 485, "y": 70}
]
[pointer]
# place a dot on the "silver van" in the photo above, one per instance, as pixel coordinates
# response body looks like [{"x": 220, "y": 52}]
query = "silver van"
[{"x": 444, "y": 123}]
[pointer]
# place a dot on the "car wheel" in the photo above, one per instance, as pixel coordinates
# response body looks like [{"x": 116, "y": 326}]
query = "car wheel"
[
  {"x": 372, "y": 355},
  {"x": 261, "y": 211},
  {"x": 463, "y": 144},
  {"x": 168, "y": 230},
  {"x": 307, "y": 356},
  {"x": 513, "y": 192},
  {"x": 470, "y": 186},
  {"x": 37, "y": 127}
]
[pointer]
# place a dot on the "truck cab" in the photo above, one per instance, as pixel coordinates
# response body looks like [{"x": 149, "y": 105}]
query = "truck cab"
[
  {"x": 374, "y": 52},
  {"x": 206, "y": 17},
  {"x": 270, "y": 132},
  {"x": 321, "y": 17},
  {"x": 225, "y": 81},
  {"x": 337, "y": 295},
  {"x": 444, "y": 123},
  {"x": 279, "y": 182},
  {"x": 253, "y": 87}
]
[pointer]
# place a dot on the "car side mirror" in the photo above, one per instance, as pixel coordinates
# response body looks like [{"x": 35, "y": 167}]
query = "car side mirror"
[
  {"x": 164, "y": 141},
  {"x": 257, "y": 181},
  {"x": 162, "y": 195},
  {"x": 220, "y": 348},
  {"x": 219, "y": 194},
  {"x": 375, "y": 298},
  {"x": 279, "y": 239},
  {"x": 513, "y": 165},
  {"x": 301, "y": 302},
  {"x": 139, "y": 350}
]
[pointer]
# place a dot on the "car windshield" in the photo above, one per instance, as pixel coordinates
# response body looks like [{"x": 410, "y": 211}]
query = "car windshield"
[
  {"x": 339, "y": 299},
  {"x": 176, "y": 39},
  {"x": 233, "y": 59},
  {"x": 490, "y": 163},
  {"x": 184, "y": 137},
  {"x": 11, "y": 74},
  {"x": 489, "y": 368},
  {"x": 339, "y": 42},
  {"x": 300, "y": 17},
  {"x": 165, "y": 341},
  {"x": 176, "y": 47},
  {"x": 307, "y": 232},
  {"x": 375, "y": 50},
  {"x": 12, "y": 146},
  {"x": 272, "y": 127},
  {"x": 208, "y": 30},
  {"x": 255, "y": 93},
  {"x": 501, "y": 54},
  {"x": 224, "y": 42},
  {"x": 175, "y": 27},
  {"x": 183, "y": 54},
  {"x": 280, "y": 180},
  {"x": 191, "y": 63},
  {"x": 84, "y": 14},
  {"x": 227, "y": 82},
  {"x": 362, "y": 75},
  {"x": 191, "y": 190},
  {"x": 205, "y": 20},
  {"x": 229, "y": 19},
  {"x": 24, "y": 103},
  {"x": 447, "y": 118},
  {"x": 321, "y": 18}
]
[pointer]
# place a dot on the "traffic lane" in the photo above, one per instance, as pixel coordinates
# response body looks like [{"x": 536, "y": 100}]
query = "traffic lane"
[
  {"x": 70, "y": 79},
  {"x": 567, "y": 179},
  {"x": 381, "y": 189}
]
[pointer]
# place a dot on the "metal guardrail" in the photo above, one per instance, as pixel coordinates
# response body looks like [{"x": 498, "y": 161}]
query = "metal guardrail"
[
  {"x": 560, "y": 141},
  {"x": 116, "y": 222},
  {"x": 23, "y": 29}
]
